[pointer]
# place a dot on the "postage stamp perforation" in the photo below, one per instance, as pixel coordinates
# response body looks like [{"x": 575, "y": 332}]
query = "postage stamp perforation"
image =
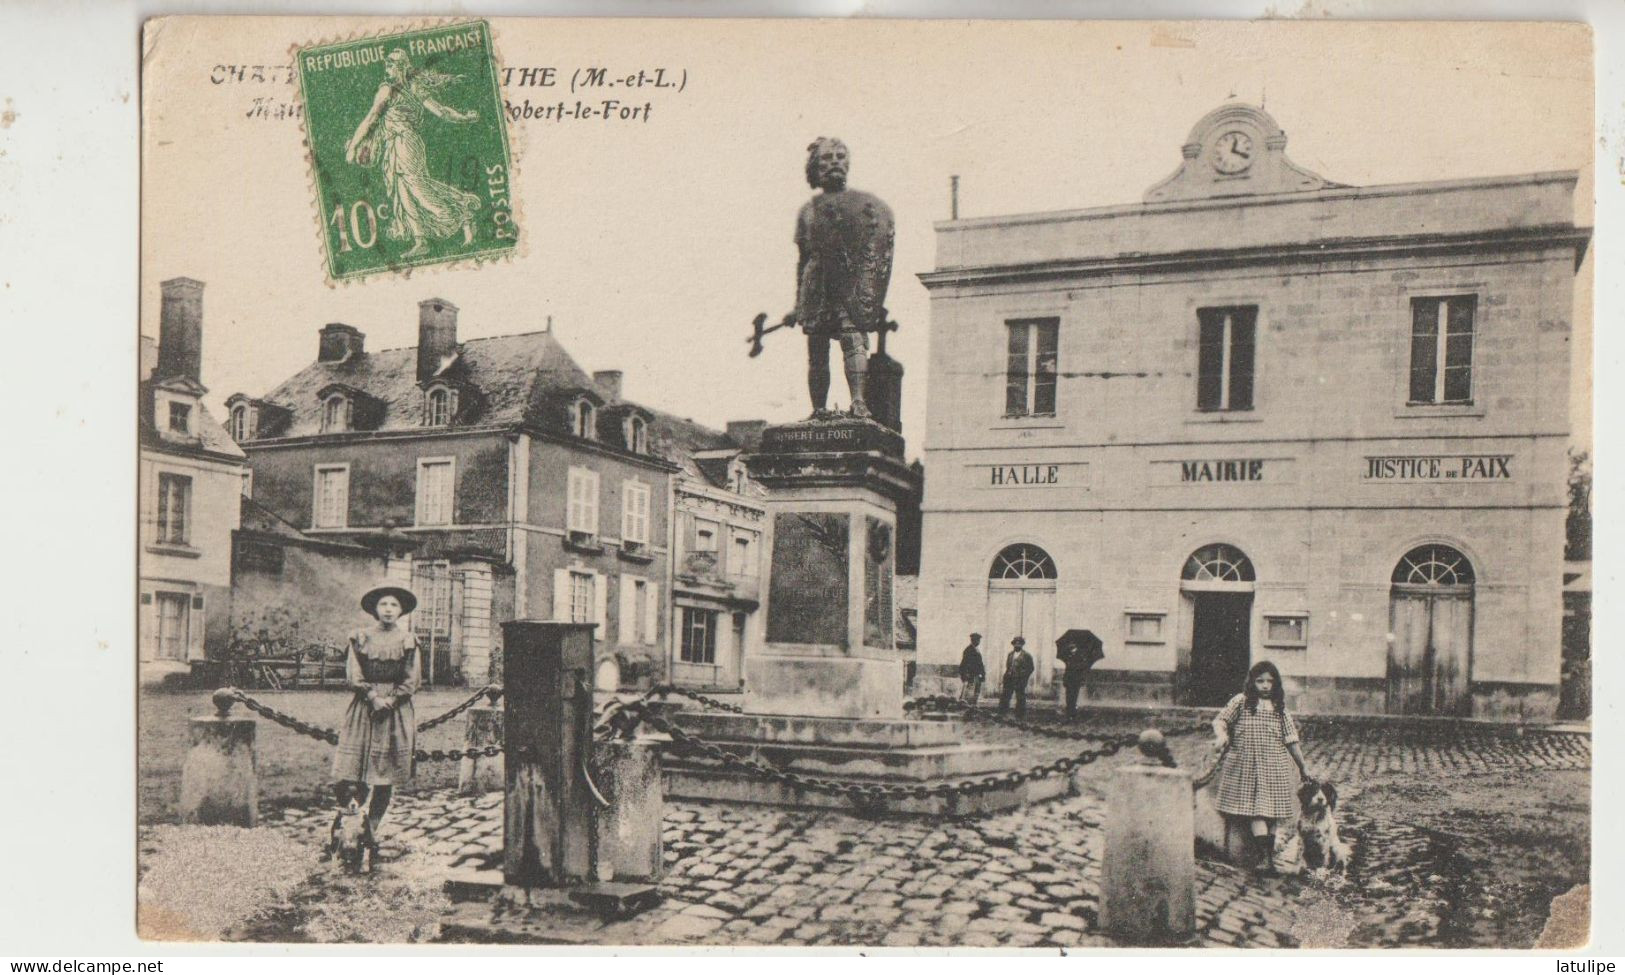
[{"x": 391, "y": 135}]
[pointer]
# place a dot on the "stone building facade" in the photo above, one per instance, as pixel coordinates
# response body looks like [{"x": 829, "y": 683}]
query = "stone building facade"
[
  {"x": 1260, "y": 415},
  {"x": 190, "y": 479},
  {"x": 504, "y": 481},
  {"x": 721, "y": 545}
]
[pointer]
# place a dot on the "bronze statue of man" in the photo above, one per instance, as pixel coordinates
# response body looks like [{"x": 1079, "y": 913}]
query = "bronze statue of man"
[{"x": 845, "y": 239}]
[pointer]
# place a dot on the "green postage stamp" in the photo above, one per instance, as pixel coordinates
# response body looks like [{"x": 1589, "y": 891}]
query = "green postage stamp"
[{"x": 409, "y": 149}]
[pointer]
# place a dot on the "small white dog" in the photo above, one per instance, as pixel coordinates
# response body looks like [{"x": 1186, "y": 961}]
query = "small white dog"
[{"x": 1323, "y": 848}]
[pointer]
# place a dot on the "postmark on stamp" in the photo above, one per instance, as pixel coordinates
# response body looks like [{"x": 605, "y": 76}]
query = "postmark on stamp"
[{"x": 409, "y": 149}]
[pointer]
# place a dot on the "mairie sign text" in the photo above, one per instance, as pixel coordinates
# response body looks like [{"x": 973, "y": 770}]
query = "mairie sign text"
[
  {"x": 1221, "y": 470},
  {"x": 1450, "y": 467}
]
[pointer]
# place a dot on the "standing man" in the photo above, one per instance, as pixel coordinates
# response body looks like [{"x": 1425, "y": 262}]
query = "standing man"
[
  {"x": 972, "y": 671},
  {"x": 1079, "y": 650},
  {"x": 845, "y": 240},
  {"x": 1018, "y": 669}
]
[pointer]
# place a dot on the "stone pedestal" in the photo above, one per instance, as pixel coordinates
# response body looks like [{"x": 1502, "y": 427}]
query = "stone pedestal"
[
  {"x": 825, "y": 695},
  {"x": 1148, "y": 877},
  {"x": 627, "y": 831},
  {"x": 477, "y": 776},
  {"x": 830, "y": 652},
  {"x": 219, "y": 786}
]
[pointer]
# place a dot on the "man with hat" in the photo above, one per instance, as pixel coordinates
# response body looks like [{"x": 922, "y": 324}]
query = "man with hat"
[
  {"x": 1018, "y": 669},
  {"x": 972, "y": 671}
]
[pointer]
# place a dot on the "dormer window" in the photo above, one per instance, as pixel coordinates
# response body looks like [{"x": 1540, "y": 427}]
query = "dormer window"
[
  {"x": 584, "y": 421},
  {"x": 637, "y": 435},
  {"x": 336, "y": 413},
  {"x": 238, "y": 425},
  {"x": 437, "y": 408},
  {"x": 180, "y": 417}
]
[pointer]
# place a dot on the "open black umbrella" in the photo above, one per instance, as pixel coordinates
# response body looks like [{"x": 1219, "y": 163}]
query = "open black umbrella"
[{"x": 1081, "y": 646}]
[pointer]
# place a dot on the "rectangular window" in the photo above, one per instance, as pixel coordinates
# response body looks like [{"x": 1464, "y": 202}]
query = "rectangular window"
[
  {"x": 1145, "y": 627},
  {"x": 436, "y": 482},
  {"x": 1030, "y": 367},
  {"x": 581, "y": 597},
  {"x": 248, "y": 482},
  {"x": 699, "y": 636},
  {"x": 332, "y": 508},
  {"x": 583, "y": 501},
  {"x": 174, "y": 617},
  {"x": 743, "y": 562},
  {"x": 1224, "y": 359},
  {"x": 705, "y": 536},
  {"x": 1286, "y": 631},
  {"x": 174, "y": 509},
  {"x": 633, "y": 612},
  {"x": 1442, "y": 349},
  {"x": 635, "y": 512},
  {"x": 180, "y": 417}
]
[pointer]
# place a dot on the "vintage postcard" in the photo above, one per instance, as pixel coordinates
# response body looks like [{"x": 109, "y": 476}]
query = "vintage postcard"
[{"x": 815, "y": 484}]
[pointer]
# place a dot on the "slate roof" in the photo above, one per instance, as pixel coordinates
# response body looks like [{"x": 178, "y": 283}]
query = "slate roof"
[
  {"x": 513, "y": 373},
  {"x": 678, "y": 439}
]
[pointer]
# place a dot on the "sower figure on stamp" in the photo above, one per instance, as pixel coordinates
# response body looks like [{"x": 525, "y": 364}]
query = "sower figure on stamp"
[
  {"x": 972, "y": 671},
  {"x": 1018, "y": 669},
  {"x": 845, "y": 240},
  {"x": 420, "y": 206}
]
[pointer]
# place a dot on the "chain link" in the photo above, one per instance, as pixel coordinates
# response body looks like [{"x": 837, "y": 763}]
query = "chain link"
[
  {"x": 871, "y": 795},
  {"x": 459, "y": 709},
  {"x": 456, "y": 754},
  {"x": 666, "y": 690},
  {"x": 287, "y": 720}
]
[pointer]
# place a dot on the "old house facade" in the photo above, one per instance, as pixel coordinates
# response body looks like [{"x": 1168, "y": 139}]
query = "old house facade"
[
  {"x": 190, "y": 479},
  {"x": 1260, "y": 415},
  {"x": 504, "y": 480},
  {"x": 722, "y": 539}
]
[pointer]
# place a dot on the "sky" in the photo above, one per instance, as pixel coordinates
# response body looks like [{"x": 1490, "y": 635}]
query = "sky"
[{"x": 650, "y": 245}]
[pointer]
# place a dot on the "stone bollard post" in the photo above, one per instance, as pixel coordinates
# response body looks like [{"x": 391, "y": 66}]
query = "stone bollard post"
[
  {"x": 626, "y": 833},
  {"x": 477, "y": 776},
  {"x": 1149, "y": 873},
  {"x": 219, "y": 786}
]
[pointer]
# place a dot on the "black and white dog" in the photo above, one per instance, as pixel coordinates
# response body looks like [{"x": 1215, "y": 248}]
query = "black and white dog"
[
  {"x": 1323, "y": 848},
  {"x": 351, "y": 838}
]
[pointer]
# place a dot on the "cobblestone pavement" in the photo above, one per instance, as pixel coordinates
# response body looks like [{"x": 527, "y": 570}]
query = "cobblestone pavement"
[{"x": 754, "y": 875}]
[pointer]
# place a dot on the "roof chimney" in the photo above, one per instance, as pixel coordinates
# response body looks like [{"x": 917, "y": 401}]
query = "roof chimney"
[
  {"x": 339, "y": 343},
  {"x": 608, "y": 382},
  {"x": 746, "y": 433},
  {"x": 437, "y": 335},
  {"x": 180, "y": 330}
]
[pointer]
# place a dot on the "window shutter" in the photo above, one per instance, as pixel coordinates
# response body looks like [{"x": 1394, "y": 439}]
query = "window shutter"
[
  {"x": 1458, "y": 350},
  {"x": 600, "y": 606},
  {"x": 1424, "y": 348},
  {"x": 592, "y": 502},
  {"x": 1209, "y": 359},
  {"x": 628, "y": 492},
  {"x": 573, "y": 518},
  {"x": 1015, "y": 379},
  {"x": 626, "y": 615},
  {"x": 1243, "y": 331},
  {"x": 651, "y": 613},
  {"x": 194, "y": 628},
  {"x": 561, "y": 595}
]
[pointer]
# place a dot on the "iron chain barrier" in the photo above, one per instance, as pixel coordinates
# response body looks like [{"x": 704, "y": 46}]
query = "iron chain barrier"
[{"x": 494, "y": 691}]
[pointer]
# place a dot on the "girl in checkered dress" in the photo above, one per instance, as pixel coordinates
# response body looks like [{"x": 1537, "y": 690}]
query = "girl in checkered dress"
[
  {"x": 379, "y": 733},
  {"x": 1259, "y": 742}
]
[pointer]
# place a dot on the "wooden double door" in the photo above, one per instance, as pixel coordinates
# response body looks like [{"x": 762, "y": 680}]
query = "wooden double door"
[{"x": 1430, "y": 658}]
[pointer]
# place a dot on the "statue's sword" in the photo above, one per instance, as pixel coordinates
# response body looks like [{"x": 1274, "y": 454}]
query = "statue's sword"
[{"x": 759, "y": 330}]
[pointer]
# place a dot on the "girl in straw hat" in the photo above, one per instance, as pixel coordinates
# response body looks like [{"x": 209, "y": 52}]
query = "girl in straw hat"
[{"x": 379, "y": 732}]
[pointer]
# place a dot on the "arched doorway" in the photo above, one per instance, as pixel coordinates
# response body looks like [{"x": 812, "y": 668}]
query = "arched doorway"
[
  {"x": 1217, "y": 583},
  {"x": 1021, "y": 602},
  {"x": 1430, "y": 618}
]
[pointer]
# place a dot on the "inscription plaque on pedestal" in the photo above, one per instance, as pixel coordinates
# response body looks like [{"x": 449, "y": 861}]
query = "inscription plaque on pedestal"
[{"x": 807, "y": 590}]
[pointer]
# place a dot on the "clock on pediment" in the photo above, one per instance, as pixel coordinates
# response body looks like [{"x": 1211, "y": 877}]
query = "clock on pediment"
[{"x": 1235, "y": 150}]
